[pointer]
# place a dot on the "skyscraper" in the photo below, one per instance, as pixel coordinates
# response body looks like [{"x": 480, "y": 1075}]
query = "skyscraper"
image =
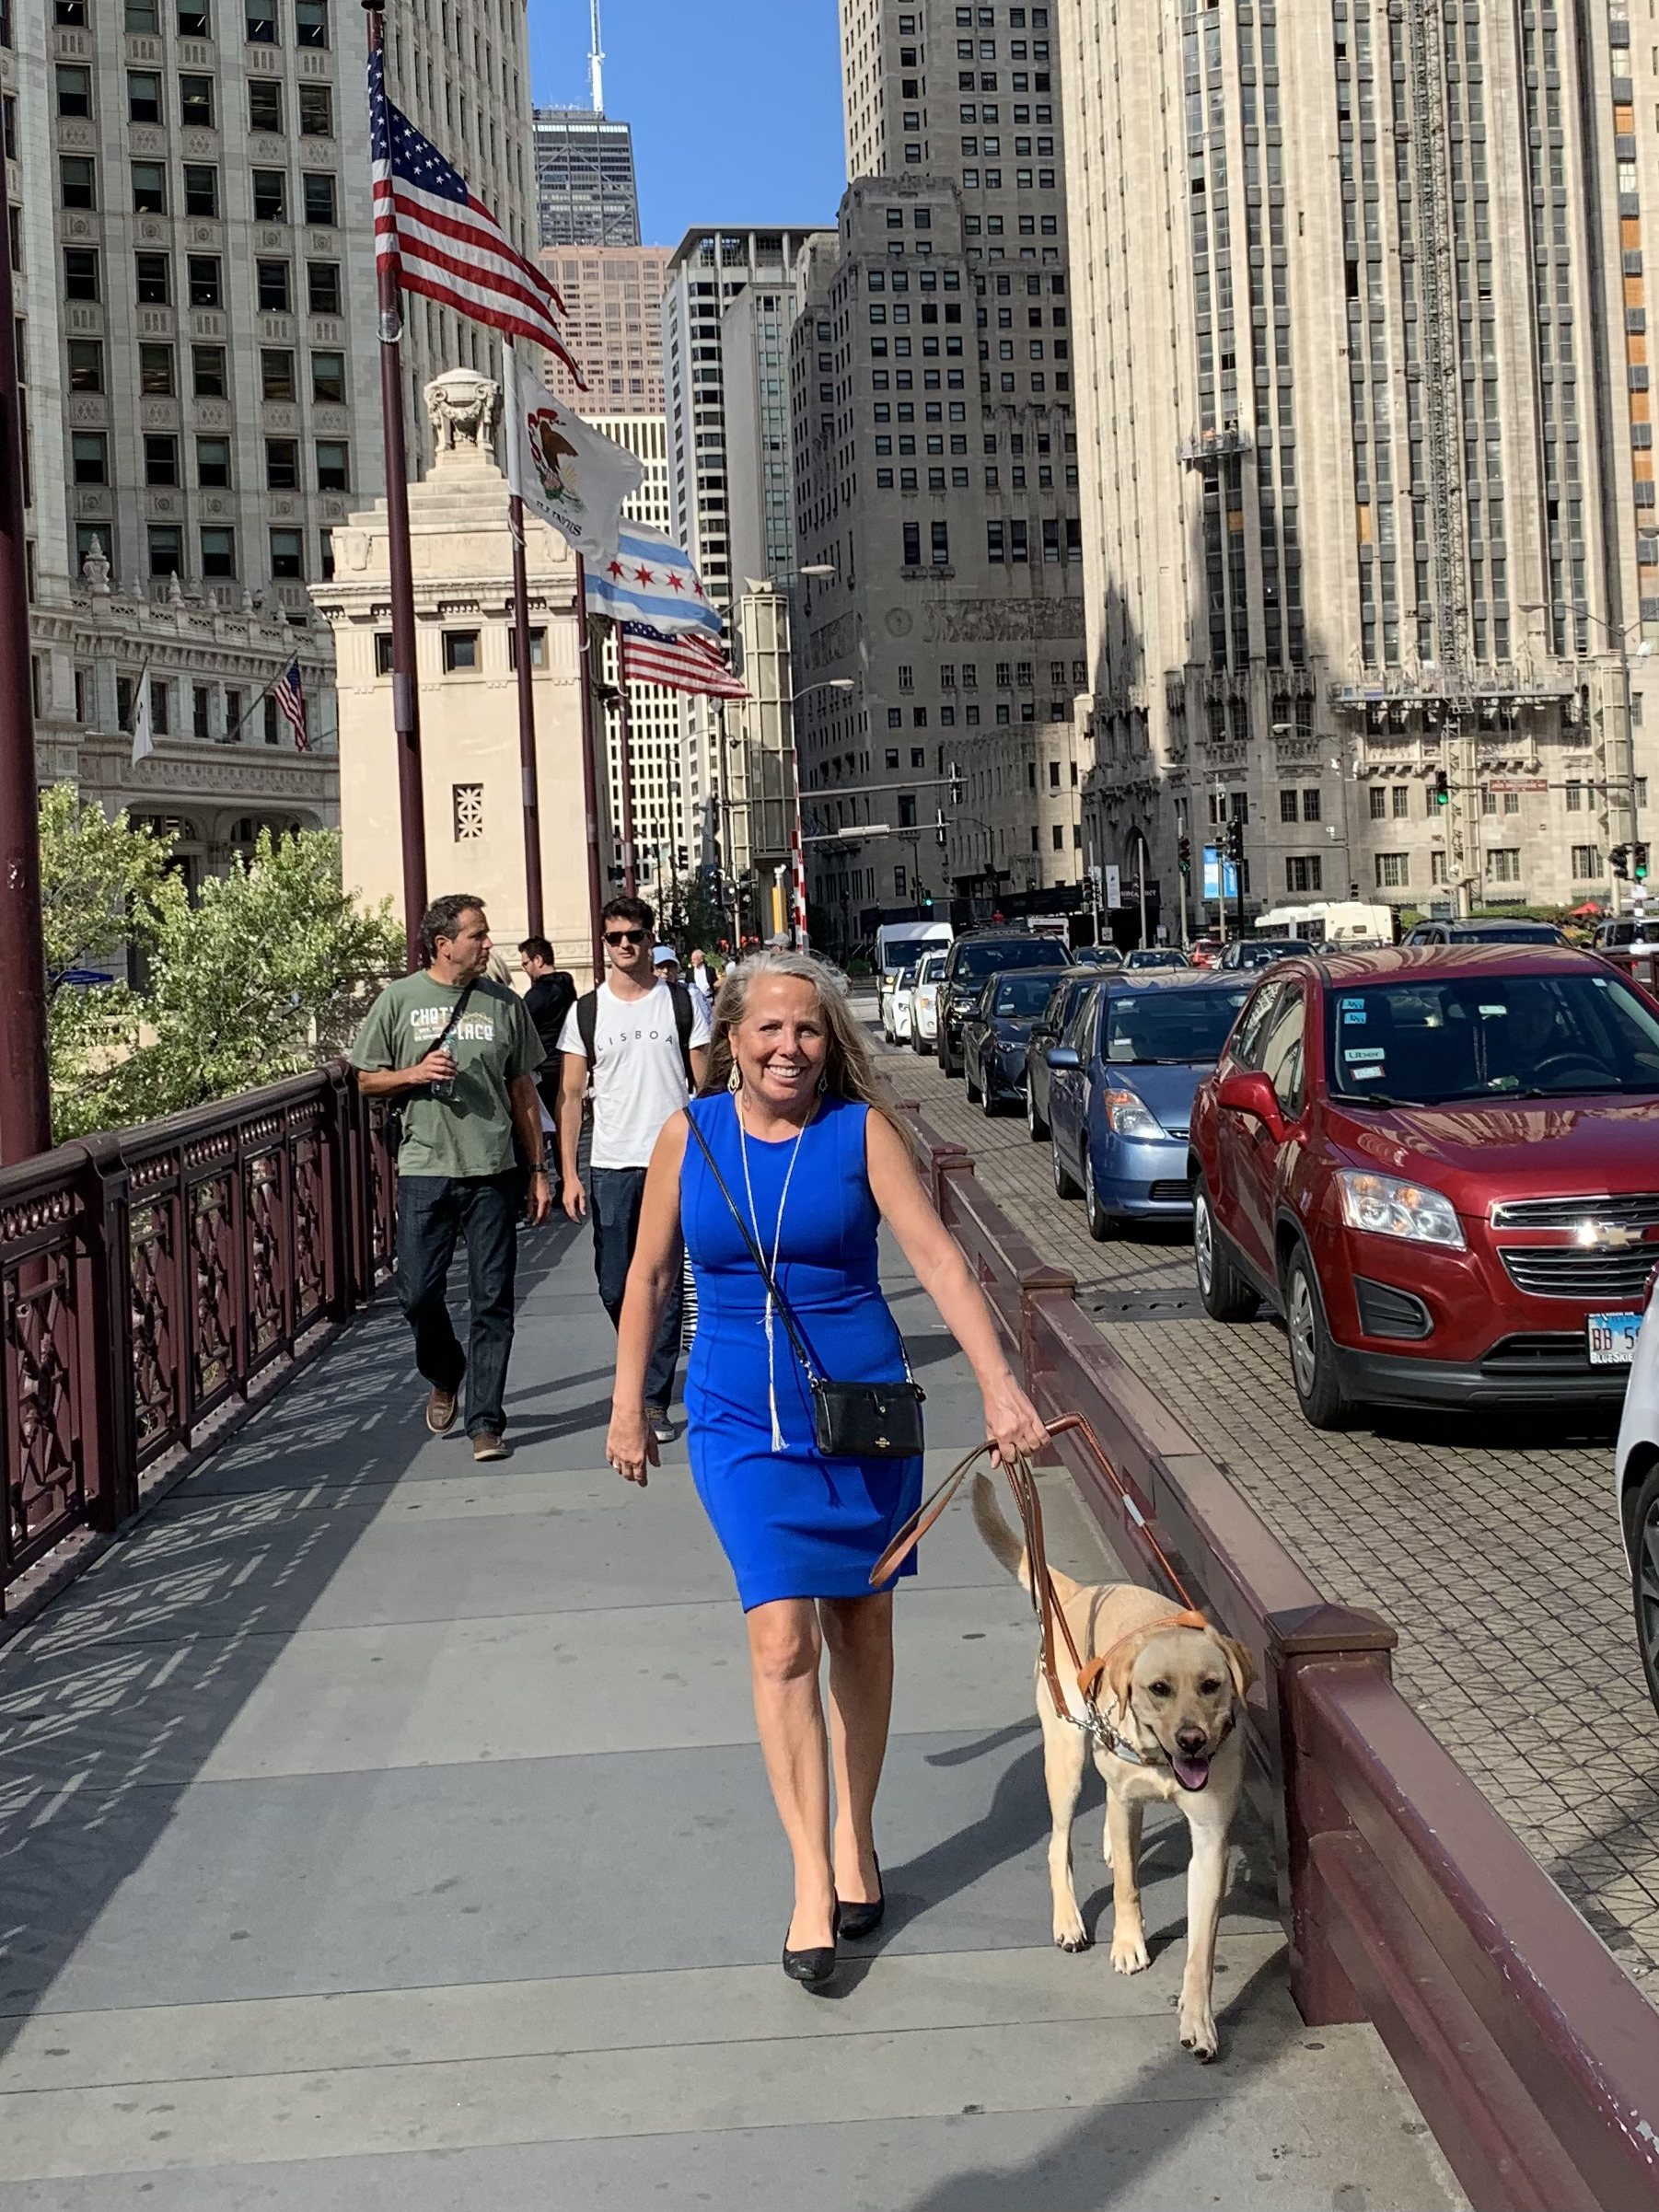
[
  {"x": 935, "y": 470},
  {"x": 614, "y": 325},
  {"x": 1370, "y": 550},
  {"x": 586, "y": 193}
]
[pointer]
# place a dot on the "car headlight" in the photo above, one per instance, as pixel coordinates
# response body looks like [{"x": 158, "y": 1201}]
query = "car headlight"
[
  {"x": 1128, "y": 1116},
  {"x": 1386, "y": 1207}
]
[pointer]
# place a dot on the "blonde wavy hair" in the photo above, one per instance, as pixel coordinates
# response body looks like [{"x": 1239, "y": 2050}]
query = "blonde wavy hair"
[{"x": 848, "y": 1066}]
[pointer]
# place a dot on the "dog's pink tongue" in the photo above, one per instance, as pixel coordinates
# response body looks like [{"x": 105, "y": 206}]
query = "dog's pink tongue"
[{"x": 1191, "y": 1774}]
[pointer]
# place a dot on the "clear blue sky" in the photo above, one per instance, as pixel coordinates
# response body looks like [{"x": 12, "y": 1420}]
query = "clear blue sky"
[{"x": 735, "y": 104}]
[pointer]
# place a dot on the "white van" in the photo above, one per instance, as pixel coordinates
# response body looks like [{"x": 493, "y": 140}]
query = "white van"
[
  {"x": 1330, "y": 922},
  {"x": 902, "y": 943}
]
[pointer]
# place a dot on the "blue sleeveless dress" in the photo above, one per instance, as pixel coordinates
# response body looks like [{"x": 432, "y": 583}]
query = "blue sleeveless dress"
[{"x": 792, "y": 1523}]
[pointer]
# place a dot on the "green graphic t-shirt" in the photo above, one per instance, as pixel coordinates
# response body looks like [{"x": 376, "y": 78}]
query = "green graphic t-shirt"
[{"x": 493, "y": 1043}]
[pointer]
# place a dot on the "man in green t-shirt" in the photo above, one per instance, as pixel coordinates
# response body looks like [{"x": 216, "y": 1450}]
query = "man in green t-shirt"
[{"x": 458, "y": 1055}]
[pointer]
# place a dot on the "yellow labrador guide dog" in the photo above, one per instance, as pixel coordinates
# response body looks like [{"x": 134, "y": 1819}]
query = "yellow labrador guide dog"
[{"x": 1167, "y": 1687}]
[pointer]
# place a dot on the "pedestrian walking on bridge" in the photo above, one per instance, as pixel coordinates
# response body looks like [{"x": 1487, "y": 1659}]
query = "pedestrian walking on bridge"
[
  {"x": 805, "y": 1158},
  {"x": 455, "y": 1054},
  {"x": 646, "y": 1043}
]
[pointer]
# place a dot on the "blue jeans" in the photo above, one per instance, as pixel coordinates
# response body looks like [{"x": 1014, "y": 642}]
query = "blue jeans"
[
  {"x": 432, "y": 1212},
  {"x": 613, "y": 1200}
]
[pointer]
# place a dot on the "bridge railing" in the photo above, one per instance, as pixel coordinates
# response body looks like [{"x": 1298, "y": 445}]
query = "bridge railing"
[
  {"x": 157, "y": 1282},
  {"x": 1406, "y": 1899}
]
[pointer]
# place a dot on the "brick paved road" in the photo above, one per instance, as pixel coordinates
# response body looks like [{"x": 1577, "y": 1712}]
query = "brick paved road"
[{"x": 1494, "y": 1554}]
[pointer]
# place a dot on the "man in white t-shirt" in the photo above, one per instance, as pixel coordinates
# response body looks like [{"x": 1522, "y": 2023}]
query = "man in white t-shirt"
[{"x": 647, "y": 1045}]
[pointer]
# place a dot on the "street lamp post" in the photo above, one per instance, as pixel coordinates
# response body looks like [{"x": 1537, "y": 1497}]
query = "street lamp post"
[{"x": 797, "y": 864}]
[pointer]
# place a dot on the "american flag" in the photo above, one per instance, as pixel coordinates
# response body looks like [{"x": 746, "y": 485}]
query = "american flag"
[
  {"x": 289, "y": 696},
  {"x": 685, "y": 663},
  {"x": 446, "y": 243}
]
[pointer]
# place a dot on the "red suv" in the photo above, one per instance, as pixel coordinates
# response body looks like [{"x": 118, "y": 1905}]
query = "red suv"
[{"x": 1442, "y": 1166}]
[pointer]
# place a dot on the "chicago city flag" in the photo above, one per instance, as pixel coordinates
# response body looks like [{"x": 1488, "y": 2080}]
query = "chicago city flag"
[
  {"x": 649, "y": 579},
  {"x": 564, "y": 470}
]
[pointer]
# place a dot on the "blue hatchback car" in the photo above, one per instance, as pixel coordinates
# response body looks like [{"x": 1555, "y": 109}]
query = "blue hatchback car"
[{"x": 1120, "y": 1087}]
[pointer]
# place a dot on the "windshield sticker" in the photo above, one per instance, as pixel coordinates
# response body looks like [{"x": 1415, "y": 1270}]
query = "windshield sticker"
[
  {"x": 1356, "y": 1052},
  {"x": 1495, "y": 1010},
  {"x": 1353, "y": 1020},
  {"x": 1346, "y": 1004},
  {"x": 1364, "y": 1074}
]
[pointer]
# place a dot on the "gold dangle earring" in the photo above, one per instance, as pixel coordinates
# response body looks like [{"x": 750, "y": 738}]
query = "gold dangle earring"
[{"x": 733, "y": 1082}]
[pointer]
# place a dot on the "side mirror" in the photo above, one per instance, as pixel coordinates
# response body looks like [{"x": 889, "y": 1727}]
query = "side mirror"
[
  {"x": 1252, "y": 1094},
  {"x": 1062, "y": 1056}
]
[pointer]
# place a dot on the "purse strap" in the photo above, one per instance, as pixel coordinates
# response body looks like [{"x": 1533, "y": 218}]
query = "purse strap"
[
  {"x": 791, "y": 1327},
  {"x": 450, "y": 1026}
]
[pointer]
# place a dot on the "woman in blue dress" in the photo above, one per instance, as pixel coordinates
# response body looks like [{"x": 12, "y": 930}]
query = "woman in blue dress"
[{"x": 806, "y": 1147}]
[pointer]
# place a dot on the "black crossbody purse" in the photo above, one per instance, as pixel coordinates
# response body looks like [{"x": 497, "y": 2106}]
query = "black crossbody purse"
[
  {"x": 393, "y": 1122},
  {"x": 851, "y": 1421}
]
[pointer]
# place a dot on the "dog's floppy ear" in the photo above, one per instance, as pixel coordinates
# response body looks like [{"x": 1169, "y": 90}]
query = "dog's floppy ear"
[
  {"x": 1116, "y": 1663},
  {"x": 1240, "y": 1665}
]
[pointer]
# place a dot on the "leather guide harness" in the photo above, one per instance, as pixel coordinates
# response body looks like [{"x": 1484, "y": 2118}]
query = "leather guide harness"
[{"x": 1022, "y": 1483}]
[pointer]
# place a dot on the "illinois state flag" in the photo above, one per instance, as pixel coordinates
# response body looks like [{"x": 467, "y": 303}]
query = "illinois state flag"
[
  {"x": 564, "y": 470},
  {"x": 649, "y": 579}
]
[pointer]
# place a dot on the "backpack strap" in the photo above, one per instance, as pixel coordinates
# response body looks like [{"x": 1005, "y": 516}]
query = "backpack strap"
[
  {"x": 683, "y": 1014},
  {"x": 587, "y": 1021}
]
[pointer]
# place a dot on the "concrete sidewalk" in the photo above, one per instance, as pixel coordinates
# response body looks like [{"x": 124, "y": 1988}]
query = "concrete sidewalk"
[{"x": 378, "y": 1834}]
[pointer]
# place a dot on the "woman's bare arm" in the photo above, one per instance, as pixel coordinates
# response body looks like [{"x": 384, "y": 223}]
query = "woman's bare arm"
[
  {"x": 630, "y": 1446},
  {"x": 1011, "y": 1421}
]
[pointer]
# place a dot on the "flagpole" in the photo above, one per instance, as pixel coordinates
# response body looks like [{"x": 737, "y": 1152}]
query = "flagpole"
[
  {"x": 591, "y": 788},
  {"x": 630, "y": 880},
  {"x": 405, "y": 689},
  {"x": 527, "y": 770}
]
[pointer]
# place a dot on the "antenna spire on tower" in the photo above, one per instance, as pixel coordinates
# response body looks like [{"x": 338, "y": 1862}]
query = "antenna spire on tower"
[{"x": 595, "y": 63}]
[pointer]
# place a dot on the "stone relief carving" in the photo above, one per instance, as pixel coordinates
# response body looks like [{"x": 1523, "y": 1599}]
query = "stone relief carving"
[
  {"x": 463, "y": 407},
  {"x": 1001, "y": 621}
]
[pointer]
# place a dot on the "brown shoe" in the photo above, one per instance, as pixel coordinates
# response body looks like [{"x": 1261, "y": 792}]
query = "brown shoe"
[
  {"x": 440, "y": 1410},
  {"x": 485, "y": 1445}
]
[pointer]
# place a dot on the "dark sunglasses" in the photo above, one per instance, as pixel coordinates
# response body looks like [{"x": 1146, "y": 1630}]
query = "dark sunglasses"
[{"x": 624, "y": 936}]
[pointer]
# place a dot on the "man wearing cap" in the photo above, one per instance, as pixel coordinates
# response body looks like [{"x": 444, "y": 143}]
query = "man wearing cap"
[{"x": 665, "y": 961}]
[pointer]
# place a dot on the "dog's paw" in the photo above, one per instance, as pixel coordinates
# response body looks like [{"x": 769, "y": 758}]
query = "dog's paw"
[
  {"x": 1128, "y": 1951},
  {"x": 1072, "y": 1935},
  {"x": 1198, "y": 2032}
]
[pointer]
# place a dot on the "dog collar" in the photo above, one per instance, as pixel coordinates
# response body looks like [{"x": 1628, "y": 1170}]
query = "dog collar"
[{"x": 1111, "y": 1740}]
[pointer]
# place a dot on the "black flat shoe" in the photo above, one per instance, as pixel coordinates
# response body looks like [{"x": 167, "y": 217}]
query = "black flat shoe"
[
  {"x": 812, "y": 1968},
  {"x": 857, "y": 1921}
]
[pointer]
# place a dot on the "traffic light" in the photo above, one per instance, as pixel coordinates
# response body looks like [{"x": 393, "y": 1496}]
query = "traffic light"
[
  {"x": 939, "y": 830},
  {"x": 927, "y": 902},
  {"x": 1442, "y": 789},
  {"x": 959, "y": 789},
  {"x": 1618, "y": 860},
  {"x": 1639, "y": 857},
  {"x": 1185, "y": 856},
  {"x": 1234, "y": 846}
]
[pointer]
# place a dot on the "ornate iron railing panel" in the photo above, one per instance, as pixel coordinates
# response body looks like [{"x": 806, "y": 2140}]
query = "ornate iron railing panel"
[{"x": 154, "y": 1282}]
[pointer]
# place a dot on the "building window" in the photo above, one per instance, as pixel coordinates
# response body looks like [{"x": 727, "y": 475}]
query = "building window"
[
  {"x": 201, "y": 189},
  {"x": 538, "y": 649},
  {"x": 259, "y": 15},
  {"x": 273, "y": 277},
  {"x": 86, "y": 365},
  {"x": 1287, "y": 806},
  {"x": 264, "y": 106},
  {"x": 1377, "y": 801},
  {"x": 141, "y": 16},
  {"x": 219, "y": 552},
  {"x": 74, "y": 92},
  {"x": 80, "y": 273},
  {"x": 1016, "y": 541},
  {"x": 200, "y": 704},
  {"x": 1586, "y": 865},
  {"x": 213, "y": 464},
  {"x": 78, "y": 179},
  {"x": 233, "y": 717},
  {"x": 1438, "y": 872},
  {"x": 282, "y": 464},
  {"x": 918, "y": 757},
  {"x": 288, "y": 554},
  {"x": 994, "y": 542},
  {"x": 322, "y": 282},
  {"x": 460, "y": 652},
  {"x": 326, "y": 549},
  {"x": 328, "y": 378},
  {"x": 270, "y": 196},
  {"x": 196, "y": 101},
  {"x": 940, "y": 547},
  {"x": 166, "y": 548},
  {"x": 156, "y": 371},
  {"x": 1575, "y": 798},
  {"x": 912, "y": 545},
  {"x": 894, "y": 722},
  {"x": 276, "y": 376},
  {"x": 317, "y": 111},
  {"x": 161, "y": 707},
  {"x": 311, "y": 22},
  {"x": 333, "y": 473},
  {"x": 204, "y": 286},
  {"x": 1310, "y": 806},
  {"x": 1302, "y": 872},
  {"x": 319, "y": 200},
  {"x": 383, "y": 653},
  {"x": 468, "y": 800},
  {"x": 193, "y": 21},
  {"x": 89, "y": 450},
  {"x": 208, "y": 371},
  {"x": 1504, "y": 865},
  {"x": 1393, "y": 871},
  {"x": 160, "y": 460}
]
